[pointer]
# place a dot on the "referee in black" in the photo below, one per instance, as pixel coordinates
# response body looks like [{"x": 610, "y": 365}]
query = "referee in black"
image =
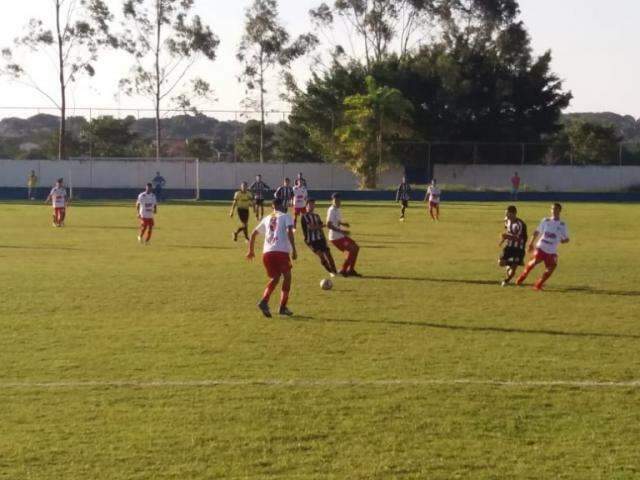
[
  {"x": 284, "y": 194},
  {"x": 312, "y": 227},
  {"x": 258, "y": 189},
  {"x": 402, "y": 195}
]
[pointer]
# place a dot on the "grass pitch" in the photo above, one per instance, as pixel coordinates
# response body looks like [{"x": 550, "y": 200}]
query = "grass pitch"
[{"x": 127, "y": 362}]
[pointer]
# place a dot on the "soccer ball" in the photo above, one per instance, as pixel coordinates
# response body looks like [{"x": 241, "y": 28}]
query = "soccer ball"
[{"x": 326, "y": 284}]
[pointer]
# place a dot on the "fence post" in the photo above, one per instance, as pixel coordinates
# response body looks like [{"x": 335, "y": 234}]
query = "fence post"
[
  {"x": 197, "y": 179},
  {"x": 523, "y": 153},
  {"x": 429, "y": 174}
]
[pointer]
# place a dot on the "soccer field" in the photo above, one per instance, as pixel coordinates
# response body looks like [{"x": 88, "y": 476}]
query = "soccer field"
[{"x": 121, "y": 361}]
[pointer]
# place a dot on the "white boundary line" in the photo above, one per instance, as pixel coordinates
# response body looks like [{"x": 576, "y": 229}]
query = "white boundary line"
[{"x": 302, "y": 383}]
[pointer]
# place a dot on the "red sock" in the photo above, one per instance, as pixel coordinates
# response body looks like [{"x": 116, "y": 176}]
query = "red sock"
[
  {"x": 149, "y": 234},
  {"x": 271, "y": 286},
  {"x": 544, "y": 278}
]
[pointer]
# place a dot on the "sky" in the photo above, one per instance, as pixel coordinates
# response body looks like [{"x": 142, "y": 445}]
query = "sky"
[{"x": 594, "y": 46}]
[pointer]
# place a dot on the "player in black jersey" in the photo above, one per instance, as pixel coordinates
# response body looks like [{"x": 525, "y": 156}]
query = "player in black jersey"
[
  {"x": 312, "y": 227},
  {"x": 515, "y": 240},
  {"x": 259, "y": 190},
  {"x": 403, "y": 195}
]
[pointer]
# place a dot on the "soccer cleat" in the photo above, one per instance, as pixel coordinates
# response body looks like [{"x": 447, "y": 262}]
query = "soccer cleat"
[
  {"x": 353, "y": 273},
  {"x": 332, "y": 275},
  {"x": 284, "y": 311},
  {"x": 504, "y": 283},
  {"x": 140, "y": 239},
  {"x": 234, "y": 235},
  {"x": 264, "y": 308},
  {"x": 538, "y": 287},
  {"x": 343, "y": 273}
]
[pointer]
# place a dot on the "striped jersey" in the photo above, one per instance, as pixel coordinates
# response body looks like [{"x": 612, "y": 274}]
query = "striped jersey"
[
  {"x": 517, "y": 228},
  {"x": 311, "y": 219},
  {"x": 404, "y": 192},
  {"x": 259, "y": 188},
  {"x": 284, "y": 194}
]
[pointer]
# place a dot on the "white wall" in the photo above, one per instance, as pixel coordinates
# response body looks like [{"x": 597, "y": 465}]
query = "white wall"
[
  {"x": 539, "y": 177},
  {"x": 181, "y": 174}
]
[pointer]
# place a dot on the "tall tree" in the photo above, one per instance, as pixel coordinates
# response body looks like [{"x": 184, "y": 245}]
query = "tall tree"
[
  {"x": 266, "y": 45},
  {"x": 73, "y": 32},
  {"x": 166, "y": 40},
  {"x": 380, "y": 114}
]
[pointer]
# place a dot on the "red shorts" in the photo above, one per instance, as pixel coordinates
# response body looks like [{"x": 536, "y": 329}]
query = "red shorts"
[
  {"x": 550, "y": 259},
  {"x": 59, "y": 210},
  {"x": 343, "y": 244},
  {"x": 434, "y": 204},
  {"x": 276, "y": 263},
  {"x": 147, "y": 222},
  {"x": 300, "y": 211}
]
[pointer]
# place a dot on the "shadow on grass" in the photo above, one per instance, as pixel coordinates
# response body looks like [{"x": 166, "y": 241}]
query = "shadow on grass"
[
  {"x": 570, "y": 289},
  {"x": 473, "y": 328},
  {"x": 201, "y": 247},
  {"x": 25, "y": 247},
  {"x": 106, "y": 227}
]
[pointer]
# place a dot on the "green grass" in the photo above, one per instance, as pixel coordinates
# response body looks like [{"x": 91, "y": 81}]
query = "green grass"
[{"x": 85, "y": 306}]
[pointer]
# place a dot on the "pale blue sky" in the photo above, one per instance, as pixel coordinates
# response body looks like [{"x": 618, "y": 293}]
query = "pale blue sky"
[{"x": 593, "y": 42}]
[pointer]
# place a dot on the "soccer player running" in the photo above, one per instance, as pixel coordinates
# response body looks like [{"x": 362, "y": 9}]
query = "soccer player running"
[
  {"x": 340, "y": 238},
  {"x": 300, "y": 196},
  {"x": 279, "y": 242},
  {"x": 284, "y": 194},
  {"x": 515, "y": 237},
  {"x": 32, "y": 184},
  {"x": 402, "y": 195},
  {"x": 60, "y": 201},
  {"x": 312, "y": 227},
  {"x": 258, "y": 189},
  {"x": 548, "y": 236},
  {"x": 147, "y": 207},
  {"x": 243, "y": 201},
  {"x": 433, "y": 196}
]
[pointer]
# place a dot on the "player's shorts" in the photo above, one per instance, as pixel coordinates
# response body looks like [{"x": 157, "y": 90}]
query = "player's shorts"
[
  {"x": 59, "y": 210},
  {"x": 513, "y": 256},
  {"x": 147, "y": 222},
  {"x": 276, "y": 263},
  {"x": 405, "y": 203},
  {"x": 319, "y": 246},
  {"x": 343, "y": 244},
  {"x": 434, "y": 204},
  {"x": 243, "y": 215},
  {"x": 300, "y": 211},
  {"x": 550, "y": 259},
  {"x": 260, "y": 202}
]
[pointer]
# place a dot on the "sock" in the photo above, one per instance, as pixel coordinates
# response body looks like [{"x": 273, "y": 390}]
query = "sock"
[
  {"x": 268, "y": 291},
  {"x": 149, "y": 234},
  {"x": 284, "y": 298},
  {"x": 544, "y": 278}
]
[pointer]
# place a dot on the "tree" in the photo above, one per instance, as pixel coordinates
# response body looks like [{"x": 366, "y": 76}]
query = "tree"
[
  {"x": 199, "y": 148},
  {"x": 166, "y": 41},
  {"x": 264, "y": 46},
  {"x": 256, "y": 143},
  {"x": 592, "y": 144},
  {"x": 111, "y": 137},
  {"x": 79, "y": 28},
  {"x": 381, "y": 113}
]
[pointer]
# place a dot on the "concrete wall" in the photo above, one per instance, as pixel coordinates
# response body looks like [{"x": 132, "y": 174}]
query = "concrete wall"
[
  {"x": 181, "y": 174},
  {"x": 540, "y": 178}
]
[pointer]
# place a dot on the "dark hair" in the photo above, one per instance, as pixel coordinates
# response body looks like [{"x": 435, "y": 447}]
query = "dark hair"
[
  {"x": 60, "y": 180},
  {"x": 276, "y": 203},
  {"x": 558, "y": 206},
  {"x": 512, "y": 209},
  {"x": 335, "y": 195},
  {"x": 150, "y": 184}
]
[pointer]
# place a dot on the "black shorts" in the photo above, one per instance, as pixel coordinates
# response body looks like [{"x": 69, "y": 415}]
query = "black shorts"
[
  {"x": 319, "y": 246},
  {"x": 259, "y": 202},
  {"x": 513, "y": 256},
  {"x": 243, "y": 215},
  {"x": 405, "y": 203}
]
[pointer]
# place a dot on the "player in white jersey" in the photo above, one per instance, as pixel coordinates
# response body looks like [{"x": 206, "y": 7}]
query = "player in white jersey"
[
  {"x": 433, "y": 197},
  {"x": 544, "y": 243},
  {"x": 340, "y": 237},
  {"x": 300, "y": 197},
  {"x": 279, "y": 242},
  {"x": 60, "y": 201},
  {"x": 147, "y": 207}
]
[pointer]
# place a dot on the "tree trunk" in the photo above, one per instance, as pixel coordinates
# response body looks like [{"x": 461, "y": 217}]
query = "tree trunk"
[
  {"x": 62, "y": 132},
  {"x": 157, "y": 98},
  {"x": 261, "y": 111}
]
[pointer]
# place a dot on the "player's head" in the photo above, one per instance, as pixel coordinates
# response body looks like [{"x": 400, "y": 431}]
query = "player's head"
[
  {"x": 404, "y": 179},
  {"x": 33, "y": 172},
  {"x": 298, "y": 182},
  {"x": 157, "y": 174},
  {"x": 258, "y": 177},
  {"x": 299, "y": 174},
  {"x": 556, "y": 208},
  {"x": 243, "y": 186},
  {"x": 287, "y": 181},
  {"x": 60, "y": 182},
  {"x": 149, "y": 187},
  {"x": 311, "y": 205},
  {"x": 336, "y": 200},
  {"x": 512, "y": 212},
  {"x": 433, "y": 181},
  {"x": 515, "y": 174},
  {"x": 276, "y": 205}
]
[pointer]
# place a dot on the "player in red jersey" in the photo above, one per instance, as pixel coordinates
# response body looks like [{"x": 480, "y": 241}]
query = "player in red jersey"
[
  {"x": 544, "y": 244},
  {"x": 60, "y": 201},
  {"x": 300, "y": 196},
  {"x": 147, "y": 207},
  {"x": 340, "y": 238},
  {"x": 433, "y": 196},
  {"x": 279, "y": 242}
]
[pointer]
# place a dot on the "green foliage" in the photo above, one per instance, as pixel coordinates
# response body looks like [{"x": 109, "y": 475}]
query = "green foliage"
[
  {"x": 200, "y": 148},
  {"x": 256, "y": 143},
  {"x": 111, "y": 137},
  {"x": 369, "y": 121},
  {"x": 592, "y": 143}
]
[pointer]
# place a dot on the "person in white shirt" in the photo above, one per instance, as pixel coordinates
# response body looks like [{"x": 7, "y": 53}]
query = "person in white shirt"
[
  {"x": 279, "y": 242},
  {"x": 60, "y": 201},
  {"x": 433, "y": 196},
  {"x": 544, "y": 244},
  {"x": 147, "y": 207},
  {"x": 340, "y": 237},
  {"x": 300, "y": 196}
]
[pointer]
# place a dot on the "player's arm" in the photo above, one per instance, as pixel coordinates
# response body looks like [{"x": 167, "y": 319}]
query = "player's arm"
[
  {"x": 138, "y": 207},
  {"x": 233, "y": 206},
  {"x": 252, "y": 243},
  {"x": 533, "y": 240},
  {"x": 336, "y": 228},
  {"x": 292, "y": 241},
  {"x": 398, "y": 194}
]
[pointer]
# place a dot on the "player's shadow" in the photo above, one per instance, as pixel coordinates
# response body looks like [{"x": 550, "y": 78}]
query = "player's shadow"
[
  {"x": 106, "y": 227},
  {"x": 595, "y": 291},
  {"x": 21, "y": 247},
  {"x": 478, "y": 328},
  {"x": 201, "y": 247},
  {"x": 432, "y": 280}
]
